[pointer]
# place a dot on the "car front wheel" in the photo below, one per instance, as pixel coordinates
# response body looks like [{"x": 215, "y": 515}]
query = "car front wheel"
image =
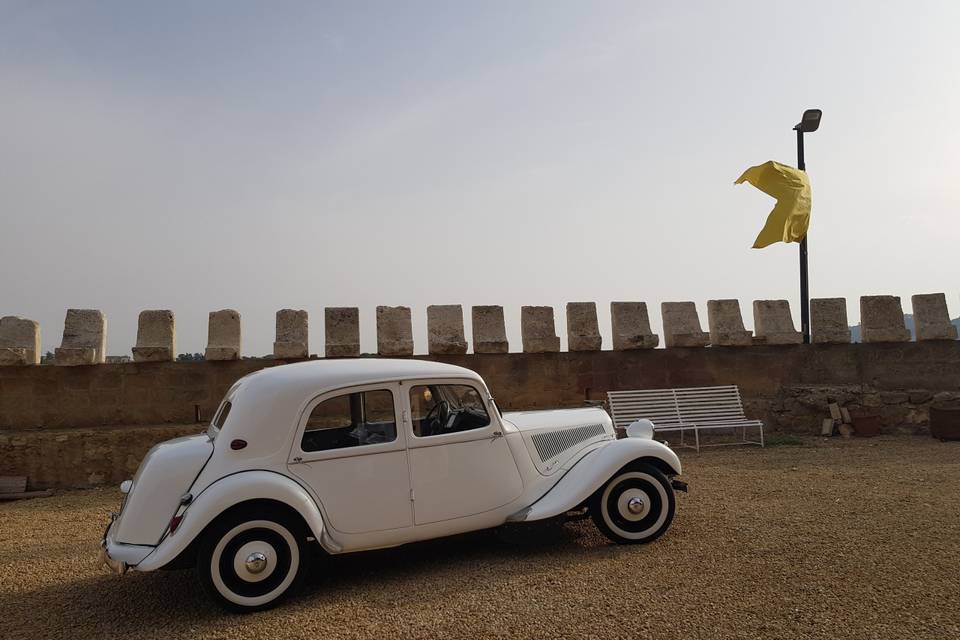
[
  {"x": 635, "y": 506},
  {"x": 250, "y": 560}
]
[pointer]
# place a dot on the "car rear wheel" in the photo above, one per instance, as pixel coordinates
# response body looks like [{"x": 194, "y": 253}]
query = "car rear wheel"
[
  {"x": 635, "y": 506},
  {"x": 250, "y": 561}
]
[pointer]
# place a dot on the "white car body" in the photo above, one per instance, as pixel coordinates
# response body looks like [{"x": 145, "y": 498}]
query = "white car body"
[{"x": 521, "y": 467}]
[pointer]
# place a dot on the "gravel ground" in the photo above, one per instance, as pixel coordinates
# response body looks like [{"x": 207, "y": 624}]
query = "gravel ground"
[{"x": 838, "y": 539}]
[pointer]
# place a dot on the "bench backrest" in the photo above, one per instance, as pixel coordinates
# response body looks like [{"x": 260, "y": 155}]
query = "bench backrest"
[
  {"x": 710, "y": 404},
  {"x": 673, "y": 407}
]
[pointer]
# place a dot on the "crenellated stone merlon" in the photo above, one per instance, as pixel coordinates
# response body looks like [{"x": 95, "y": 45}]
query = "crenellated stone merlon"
[
  {"x": 156, "y": 336},
  {"x": 19, "y": 341},
  {"x": 881, "y": 319},
  {"x": 726, "y": 324},
  {"x": 681, "y": 325},
  {"x": 630, "y": 324},
  {"x": 583, "y": 330},
  {"x": 84, "y": 338},
  {"x": 489, "y": 330},
  {"x": 538, "y": 331},
  {"x": 341, "y": 327},
  {"x": 223, "y": 335},
  {"x": 445, "y": 329},
  {"x": 828, "y": 321},
  {"x": 394, "y": 331},
  {"x": 773, "y": 323},
  {"x": 293, "y": 329},
  {"x": 931, "y": 319}
]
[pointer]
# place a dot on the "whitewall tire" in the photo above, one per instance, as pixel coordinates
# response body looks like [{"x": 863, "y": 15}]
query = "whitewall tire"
[
  {"x": 635, "y": 506},
  {"x": 251, "y": 560}
]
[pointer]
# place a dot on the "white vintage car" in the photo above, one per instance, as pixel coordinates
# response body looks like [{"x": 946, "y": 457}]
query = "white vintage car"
[{"x": 364, "y": 454}]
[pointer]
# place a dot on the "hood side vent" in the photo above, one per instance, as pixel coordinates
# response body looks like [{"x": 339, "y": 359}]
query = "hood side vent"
[{"x": 551, "y": 444}]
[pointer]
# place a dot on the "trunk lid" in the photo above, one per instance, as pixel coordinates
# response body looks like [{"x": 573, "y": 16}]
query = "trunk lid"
[{"x": 166, "y": 473}]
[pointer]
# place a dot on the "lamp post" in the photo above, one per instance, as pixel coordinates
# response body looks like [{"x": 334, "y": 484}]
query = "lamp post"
[{"x": 809, "y": 123}]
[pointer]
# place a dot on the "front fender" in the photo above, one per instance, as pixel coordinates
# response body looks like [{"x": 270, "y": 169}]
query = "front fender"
[
  {"x": 591, "y": 472},
  {"x": 225, "y": 493}
]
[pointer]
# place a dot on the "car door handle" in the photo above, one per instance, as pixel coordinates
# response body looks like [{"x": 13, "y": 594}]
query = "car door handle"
[{"x": 496, "y": 434}]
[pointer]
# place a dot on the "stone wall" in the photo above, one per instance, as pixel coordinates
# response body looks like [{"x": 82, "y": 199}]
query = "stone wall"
[
  {"x": 77, "y": 426},
  {"x": 85, "y": 423}
]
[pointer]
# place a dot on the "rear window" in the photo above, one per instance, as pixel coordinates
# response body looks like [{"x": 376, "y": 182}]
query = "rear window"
[
  {"x": 221, "y": 416},
  {"x": 219, "y": 419}
]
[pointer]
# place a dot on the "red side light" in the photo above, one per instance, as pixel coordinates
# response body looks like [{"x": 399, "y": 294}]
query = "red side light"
[
  {"x": 175, "y": 522},
  {"x": 238, "y": 444}
]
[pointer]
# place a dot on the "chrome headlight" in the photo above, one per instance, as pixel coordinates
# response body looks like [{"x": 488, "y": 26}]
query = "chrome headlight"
[{"x": 640, "y": 429}]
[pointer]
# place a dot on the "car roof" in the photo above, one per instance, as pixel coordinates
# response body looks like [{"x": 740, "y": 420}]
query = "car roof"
[
  {"x": 269, "y": 402},
  {"x": 318, "y": 376}
]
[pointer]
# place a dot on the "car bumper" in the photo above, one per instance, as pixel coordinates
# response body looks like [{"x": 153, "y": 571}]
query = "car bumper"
[{"x": 120, "y": 557}]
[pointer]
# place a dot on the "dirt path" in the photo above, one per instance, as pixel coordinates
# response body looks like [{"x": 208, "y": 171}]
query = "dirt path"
[{"x": 844, "y": 539}]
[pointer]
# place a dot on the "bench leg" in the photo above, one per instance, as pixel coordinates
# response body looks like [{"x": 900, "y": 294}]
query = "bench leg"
[{"x": 696, "y": 435}]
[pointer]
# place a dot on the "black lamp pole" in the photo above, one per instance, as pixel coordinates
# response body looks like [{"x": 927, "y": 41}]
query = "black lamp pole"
[
  {"x": 804, "y": 277},
  {"x": 809, "y": 123}
]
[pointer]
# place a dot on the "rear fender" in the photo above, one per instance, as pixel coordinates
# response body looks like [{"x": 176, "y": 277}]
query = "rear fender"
[
  {"x": 592, "y": 471},
  {"x": 228, "y": 492}
]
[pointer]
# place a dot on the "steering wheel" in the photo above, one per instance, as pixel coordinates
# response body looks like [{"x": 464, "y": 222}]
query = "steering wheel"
[{"x": 439, "y": 414}]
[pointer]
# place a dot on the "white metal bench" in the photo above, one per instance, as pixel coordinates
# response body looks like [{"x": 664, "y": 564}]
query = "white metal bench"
[{"x": 689, "y": 409}]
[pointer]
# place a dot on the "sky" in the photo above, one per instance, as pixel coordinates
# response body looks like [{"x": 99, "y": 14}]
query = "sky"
[{"x": 196, "y": 156}]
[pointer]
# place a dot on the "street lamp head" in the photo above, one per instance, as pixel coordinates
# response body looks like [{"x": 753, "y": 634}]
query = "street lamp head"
[{"x": 810, "y": 121}]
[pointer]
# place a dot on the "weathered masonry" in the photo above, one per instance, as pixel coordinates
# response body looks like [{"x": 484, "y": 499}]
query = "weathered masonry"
[
  {"x": 88, "y": 423},
  {"x": 85, "y": 330}
]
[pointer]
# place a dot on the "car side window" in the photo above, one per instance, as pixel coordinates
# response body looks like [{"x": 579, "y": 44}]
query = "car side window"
[
  {"x": 438, "y": 409},
  {"x": 351, "y": 420}
]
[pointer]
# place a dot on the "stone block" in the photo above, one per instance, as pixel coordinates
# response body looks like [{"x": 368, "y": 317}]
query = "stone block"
[
  {"x": 394, "y": 331},
  {"x": 445, "y": 329},
  {"x": 881, "y": 319},
  {"x": 726, "y": 324},
  {"x": 13, "y": 357},
  {"x": 681, "y": 325},
  {"x": 341, "y": 328},
  {"x": 931, "y": 319},
  {"x": 19, "y": 341},
  {"x": 156, "y": 337},
  {"x": 583, "y": 330},
  {"x": 828, "y": 321},
  {"x": 223, "y": 335},
  {"x": 773, "y": 323},
  {"x": 84, "y": 338},
  {"x": 292, "y": 334},
  {"x": 631, "y": 326},
  {"x": 538, "y": 331},
  {"x": 489, "y": 330}
]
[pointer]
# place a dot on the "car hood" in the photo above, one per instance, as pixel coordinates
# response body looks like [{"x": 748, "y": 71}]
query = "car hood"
[
  {"x": 558, "y": 419},
  {"x": 558, "y": 437}
]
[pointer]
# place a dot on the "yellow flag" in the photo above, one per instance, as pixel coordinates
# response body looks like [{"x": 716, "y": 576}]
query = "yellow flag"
[{"x": 790, "y": 217}]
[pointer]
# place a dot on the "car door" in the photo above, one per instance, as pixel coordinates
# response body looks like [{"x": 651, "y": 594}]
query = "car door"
[
  {"x": 459, "y": 466},
  {"x": 351, "y": 453}
]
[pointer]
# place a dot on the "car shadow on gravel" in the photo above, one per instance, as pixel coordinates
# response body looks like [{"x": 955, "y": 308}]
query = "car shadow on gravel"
[
  {"x": 166, "y": 599},
  {"x": 462, "y": 561}
]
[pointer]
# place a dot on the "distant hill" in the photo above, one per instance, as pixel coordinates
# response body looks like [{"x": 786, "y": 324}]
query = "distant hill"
[{"x": 907, "y": 320}]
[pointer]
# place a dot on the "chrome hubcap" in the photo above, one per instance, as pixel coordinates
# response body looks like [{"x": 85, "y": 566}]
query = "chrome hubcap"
[
  {"x": 256, "y": 562},
  {"x": 633, "y": 504}
]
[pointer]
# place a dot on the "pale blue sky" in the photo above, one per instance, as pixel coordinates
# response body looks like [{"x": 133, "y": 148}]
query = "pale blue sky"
[{"x": 261, "y": 155}]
